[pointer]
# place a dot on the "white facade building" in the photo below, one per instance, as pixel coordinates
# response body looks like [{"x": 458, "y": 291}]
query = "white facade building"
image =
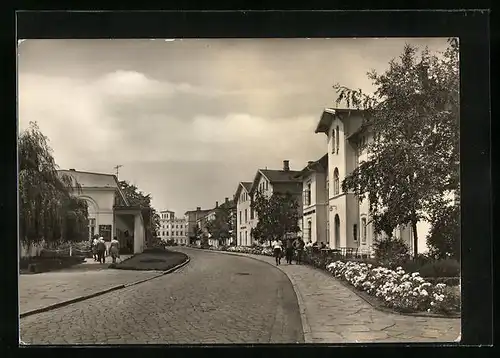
[
  {"x": 348, "y": 219},
  {"x": 267, "y": 182},
  {"x": 315, "y": 201},
  {"x": 173, "y": 228},
  {"x": 244, "y": 214},
  {"x": 109, "y": 211}
]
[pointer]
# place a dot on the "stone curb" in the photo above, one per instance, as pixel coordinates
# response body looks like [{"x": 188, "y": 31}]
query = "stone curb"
[
  {"x": 99, "y": 293},
  {"x": 306, "y": 329},
  {"x": 360, "y": 294}
]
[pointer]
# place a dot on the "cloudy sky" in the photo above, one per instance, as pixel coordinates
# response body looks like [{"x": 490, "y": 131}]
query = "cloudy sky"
[{"x": 189, "y": 119}]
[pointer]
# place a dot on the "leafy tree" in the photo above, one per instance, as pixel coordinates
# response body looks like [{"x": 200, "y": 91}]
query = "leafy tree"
[
  {"x": 136, "y": 197},
  {"x": 414, "y": 155},
  {"x": 220, "y": 227},
  {"x": 48, "y": 210},
  {"x": 278, "y": 215}
]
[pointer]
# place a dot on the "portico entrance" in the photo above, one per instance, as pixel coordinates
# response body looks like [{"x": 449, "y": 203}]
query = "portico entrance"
[{"x": 129, "y": 229}]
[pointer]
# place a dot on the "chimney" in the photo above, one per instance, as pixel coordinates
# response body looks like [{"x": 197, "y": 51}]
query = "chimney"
[
  {"x": 72, "y": 170},
  {"x": 226, "y": 200},
  {"x": 198, "y": 208},
  {"x": 286, "y": 165},
  {"x": 216, "y": 204}
]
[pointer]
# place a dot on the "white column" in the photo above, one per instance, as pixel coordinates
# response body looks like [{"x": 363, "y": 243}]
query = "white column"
[{"x": 138, "y": 234}]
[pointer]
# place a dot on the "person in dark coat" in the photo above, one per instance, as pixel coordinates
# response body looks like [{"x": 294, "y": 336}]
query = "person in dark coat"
[
  {"x": 289, "y": 251},
  {"x": 299, "y": 245},
  {"x": 101, "y": 250}
]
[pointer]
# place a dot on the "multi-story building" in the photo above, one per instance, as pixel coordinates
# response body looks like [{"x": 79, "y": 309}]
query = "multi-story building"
[
  {"x": 244, "y": 214},
  {"x": 348, "y": 218},
  {"x": 267, "y": 182},
  {"x": 210, "y": 215},
  {"x": 191, "y": 218},
  {"x": 173, "y": 228},
  {"x": 315, "y": 201}
]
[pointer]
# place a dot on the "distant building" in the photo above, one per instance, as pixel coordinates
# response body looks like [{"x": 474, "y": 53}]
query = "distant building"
[
  {"x": 210, "y": 215},
  {"x": 315, "y": 201},
  {"x": 173, "y": 228},
  {"x": 244, "y": 214},
  {"x": 191, "y": 218}
]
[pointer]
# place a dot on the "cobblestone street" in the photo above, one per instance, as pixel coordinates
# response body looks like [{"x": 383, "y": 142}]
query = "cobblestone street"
[
  {"x": 213, "y": 299},
  {"x": 218, "y": 298}
]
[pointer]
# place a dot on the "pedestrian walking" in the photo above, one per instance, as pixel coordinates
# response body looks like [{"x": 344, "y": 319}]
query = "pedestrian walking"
[
  {"x": 101, "y": 250},
  {"x": 299, "y": 247},
  {"x": 114, "y": 249},
  {"x": 94, "y": 247},
  {"x": 277, "y": 250},
  {"x": 289, "y": 251}
]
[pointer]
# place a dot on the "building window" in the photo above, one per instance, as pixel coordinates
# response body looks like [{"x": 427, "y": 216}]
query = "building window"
[
  {"x": 337, "y": 139},
  {"x": 355, "y": 232},
  {"x": 308, "y": 194},
  {"x": 333, "y": 141},
  {"x": 105, "y": 232},
  {"x": 251, "y": 213},
  {"x": 363, "y": 230},
  {"x": 246, "y": 238},
  {"x": 267, "y": 185},
  {"x": 246, "y": 215},
  {"x": 91, "y": 227},
  {"x": 328, "y": 232},
  {"x": 309, "y": 230},
  {"x": 240, "y": 217},
  {"x": 336, "y": 184},
  {"x": 166, "y": 233}
]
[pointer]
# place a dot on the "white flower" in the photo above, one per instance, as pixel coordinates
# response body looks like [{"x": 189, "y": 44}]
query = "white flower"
[
  {"x": 415, "y": 274},
  {"x": 424, "y": 293}
]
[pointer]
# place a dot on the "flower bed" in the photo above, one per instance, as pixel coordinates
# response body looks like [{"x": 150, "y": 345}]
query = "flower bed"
[{"x": 397, "y": 289}]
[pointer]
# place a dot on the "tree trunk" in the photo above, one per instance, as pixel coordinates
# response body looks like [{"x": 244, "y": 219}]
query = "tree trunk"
[{"x": 415, "y": 238}]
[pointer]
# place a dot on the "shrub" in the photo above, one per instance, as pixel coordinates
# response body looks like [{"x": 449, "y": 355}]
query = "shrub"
[
  {"x": 441, "y": 268},
  {"x": 391, "y": 252},
  {"x": 444, "y": 236}
]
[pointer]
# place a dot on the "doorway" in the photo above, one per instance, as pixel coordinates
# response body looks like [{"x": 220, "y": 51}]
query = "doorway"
[{"x": 337, "y": 231}]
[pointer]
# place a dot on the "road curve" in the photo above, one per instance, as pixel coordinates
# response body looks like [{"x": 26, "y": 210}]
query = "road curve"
[{"x": 215, "y": 298}]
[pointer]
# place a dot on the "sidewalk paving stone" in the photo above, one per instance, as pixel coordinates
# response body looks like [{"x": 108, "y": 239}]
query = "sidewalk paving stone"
[
  {"x": 335, "y": 314},
  {"x": 45, "y": 289}
]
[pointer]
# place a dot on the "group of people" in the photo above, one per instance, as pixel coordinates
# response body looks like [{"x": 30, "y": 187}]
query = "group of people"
[
  {"x": 99, "y": 249},
  {"x": 287, "y": 248}
]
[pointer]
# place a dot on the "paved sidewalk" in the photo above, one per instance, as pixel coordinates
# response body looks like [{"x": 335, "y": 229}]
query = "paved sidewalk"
[
  {"x": 334, "y": 314},
  {"x": 45, "y": 289}
]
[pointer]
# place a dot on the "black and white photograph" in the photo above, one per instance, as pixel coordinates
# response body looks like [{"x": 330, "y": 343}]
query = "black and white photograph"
[{"x": 239, "y": 191}]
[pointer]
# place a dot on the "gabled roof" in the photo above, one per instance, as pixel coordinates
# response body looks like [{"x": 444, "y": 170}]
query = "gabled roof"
[
  {"x": 95, "y": 180},
  {"x": 275, "y": 177},
  {"x": 330, "y": 113},
  {"x": 197, "y": 211},
  {"x": 319, "y": 165},
  {"x": 246, "y": 185}
]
